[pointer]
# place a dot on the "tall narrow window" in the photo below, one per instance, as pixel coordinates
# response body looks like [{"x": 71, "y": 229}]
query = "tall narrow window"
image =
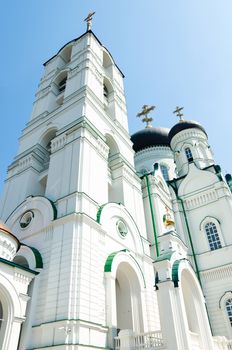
[
  {"x": 213, "y": 236},
  {"x": 189, "y": 155},
  {"x": 164, "y": 171},
  {"x": 229, "y": 310}
]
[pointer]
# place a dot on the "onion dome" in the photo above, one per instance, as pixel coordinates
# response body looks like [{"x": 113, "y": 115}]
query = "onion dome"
[
  {"x": 9, "y": 244},
  {"x": 150, "y": 137},
  {"x": 183, "y": 125}
]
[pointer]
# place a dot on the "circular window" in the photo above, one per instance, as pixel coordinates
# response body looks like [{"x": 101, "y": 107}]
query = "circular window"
[
  {"x": 122, "y": 228},
  {"x": 26, "y": 219}
]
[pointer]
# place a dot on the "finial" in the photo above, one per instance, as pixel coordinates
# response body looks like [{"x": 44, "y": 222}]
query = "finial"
[
  {"x": 145, "y": 111},
  {"x": 88, "y": 19},
  {"x": 178, "y": 113}
]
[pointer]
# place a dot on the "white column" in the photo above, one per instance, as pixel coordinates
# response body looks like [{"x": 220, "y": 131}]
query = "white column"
[
  {"x": 127, "y": 339},
  {"x": 173, "y": 327},
  {"x": 15, "y": 332},
  {"x": 111, "y": 309}
]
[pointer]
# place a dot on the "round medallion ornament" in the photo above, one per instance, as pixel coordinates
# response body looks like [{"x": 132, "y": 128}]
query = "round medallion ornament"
[
  {"x": 26, "y": 219},
  {"x": 122, "y": 228}
]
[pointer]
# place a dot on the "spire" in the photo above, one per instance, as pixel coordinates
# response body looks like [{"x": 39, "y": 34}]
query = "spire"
[
  {"x": 178, "y": 113},
  {"x": 88, "y": 20},
  {"x": 144, "y": 114}
]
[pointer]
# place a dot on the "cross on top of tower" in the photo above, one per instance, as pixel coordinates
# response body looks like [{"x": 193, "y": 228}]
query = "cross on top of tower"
[
  {"x": 144, "y": 114},
  {"x": 88, "y": 19},
  {"x": 178, "y": 113}
]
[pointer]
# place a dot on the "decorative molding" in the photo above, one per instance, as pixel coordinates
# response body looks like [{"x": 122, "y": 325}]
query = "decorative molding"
[
  {"x": 22, "y": 278},
  {"x": 58, "y": 143},
  {"x": 195, "y": 202},
  {"x": 218, "y": 273},
  {"x": 102, "y": 148}
]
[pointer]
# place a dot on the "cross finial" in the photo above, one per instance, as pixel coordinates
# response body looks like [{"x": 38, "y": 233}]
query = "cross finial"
[
  {"x": 88, "y": 19},
  {"x": 178, "y": 113},
  {"x": 145, "y": 111}
]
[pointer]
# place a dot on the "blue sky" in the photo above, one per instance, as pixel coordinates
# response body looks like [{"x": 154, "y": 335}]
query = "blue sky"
[{"x": 172, "y": 52}]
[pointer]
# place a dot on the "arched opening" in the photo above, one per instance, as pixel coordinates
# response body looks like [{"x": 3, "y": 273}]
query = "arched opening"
[
  {"x": 66, "y": 54},
  {"x": 46, "y": 144},
  {"x": 114, "y": 191},
  {"x": 60, "y": 86},
  {"x": 190, "y": 302},
  {"x": 21, "y": 260},
  {"x": 107, "y": 91},
  {"x": 5, "y": 320},
  {"x": 195, "y": 311},
  {"x": 107, "y": 64},
  {"x": 128, "y": 299}
]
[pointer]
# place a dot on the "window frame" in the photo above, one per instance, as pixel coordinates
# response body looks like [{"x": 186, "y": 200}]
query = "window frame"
[
  {"x": 213, "y": 236},
  {"x": 188, "y": 154}
]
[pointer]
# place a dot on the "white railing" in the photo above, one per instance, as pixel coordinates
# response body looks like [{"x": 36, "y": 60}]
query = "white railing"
[
  {"x": 221, "y": 343},
  {"x": 143, "y": 341},
  {"x": 116, "y": 343},
  {"x": 149, "y": 341}
]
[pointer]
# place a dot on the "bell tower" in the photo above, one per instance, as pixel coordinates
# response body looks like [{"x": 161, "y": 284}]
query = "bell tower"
[
  {"x": 78, "y": 127},
  {"x": 75, "y": 157}
]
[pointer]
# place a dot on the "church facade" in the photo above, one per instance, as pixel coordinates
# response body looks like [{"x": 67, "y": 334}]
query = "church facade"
[{"x": 109, "y": 241}]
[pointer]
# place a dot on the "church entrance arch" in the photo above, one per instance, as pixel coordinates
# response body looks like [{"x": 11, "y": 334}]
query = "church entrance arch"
[
  {"x": 125, "y": 305},
  {"x": 128, "y": 299}
]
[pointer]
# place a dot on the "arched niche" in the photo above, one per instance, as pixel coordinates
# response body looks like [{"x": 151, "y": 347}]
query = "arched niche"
[
  {"x": 115, "y": 192},
  {"x": 194, "y": 309},
  {"x": 125, "y": 288}
]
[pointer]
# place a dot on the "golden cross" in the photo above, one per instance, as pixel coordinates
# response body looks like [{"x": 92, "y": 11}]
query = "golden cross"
[
  {"x": 178, "y": 112},
  {"x": 88, "y": 19},
  {"x": 145, "y": 111}
]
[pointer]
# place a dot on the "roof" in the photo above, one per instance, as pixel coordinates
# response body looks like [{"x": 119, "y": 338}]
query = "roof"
[
  {"x": 150, "y": 137},
  {"x": 76, "y": 39},
  {"x": 183, "y": 125}
]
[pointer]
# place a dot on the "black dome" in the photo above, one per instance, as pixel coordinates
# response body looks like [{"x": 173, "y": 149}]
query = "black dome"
[
  {"x": 183, "y": 125},
  {"x": 150, "y": 137}
]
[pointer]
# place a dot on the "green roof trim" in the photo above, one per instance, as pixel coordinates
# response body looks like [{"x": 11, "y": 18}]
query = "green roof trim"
[
  {"x": 175, "y": 272},
  {"x": 99, "y": 212},
  {"x": 38, "y": 257},
  {"x": 109, "y": 260},
  {"x": 165, "y": 256},
  {"x": 13, "y": 264}
]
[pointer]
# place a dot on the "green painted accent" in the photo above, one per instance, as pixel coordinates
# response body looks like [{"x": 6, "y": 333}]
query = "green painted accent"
[
  {"x": 173, "y": 184},
  {"x": 152, "y": 215},
  {"x": 165, "y": 256},
  {"x": 190, "y": 240},
  {"x": 11, "y": 263},
  {"x": 109, "y": 260},
  {"x": 99, "y": 212},
  {"x": 175, "y": 272},
  {"x": 38, "y": 257}
]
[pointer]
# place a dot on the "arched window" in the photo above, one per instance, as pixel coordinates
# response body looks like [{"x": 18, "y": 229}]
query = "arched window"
[
  {"x": 213, "y": 236},
  {"x": 164, "y": 171},
  {"x": 189, "y": 155},
  {"x": 229, "y": 310}
]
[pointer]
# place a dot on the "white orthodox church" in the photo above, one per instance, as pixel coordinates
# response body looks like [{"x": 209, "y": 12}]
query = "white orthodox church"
[{"x": 109, "y": 241}]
